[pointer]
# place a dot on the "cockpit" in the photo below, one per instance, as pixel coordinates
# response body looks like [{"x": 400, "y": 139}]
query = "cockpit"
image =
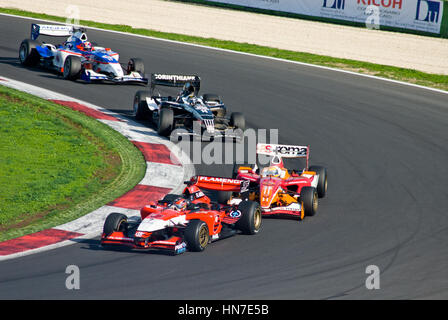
[{"x": 274, "y": 171}]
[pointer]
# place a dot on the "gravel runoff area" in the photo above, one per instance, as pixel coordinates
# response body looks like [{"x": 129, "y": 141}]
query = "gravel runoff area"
[{"x": 389, "y": 48}]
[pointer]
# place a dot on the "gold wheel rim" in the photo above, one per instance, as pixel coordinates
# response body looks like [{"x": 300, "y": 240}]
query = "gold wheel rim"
[
  {"x": 315, "y": 204},
  {"x": 120, "y": 225},
  {"x": 257, "y": 219},
  {"x": 203, "y": 236}
]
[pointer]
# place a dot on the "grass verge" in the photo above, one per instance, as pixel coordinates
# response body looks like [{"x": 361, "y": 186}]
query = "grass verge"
[
  {"x": 437, "y": 81},
  {"x": 57, "y": 164}
]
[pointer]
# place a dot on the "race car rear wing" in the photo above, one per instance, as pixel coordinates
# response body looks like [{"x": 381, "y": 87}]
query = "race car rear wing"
[
  {"x": 51, "y": 30},
  {"x": 284, "y": 151},
  {"x": 220, "y": 184},
  {"x": 174, "y": 80}
]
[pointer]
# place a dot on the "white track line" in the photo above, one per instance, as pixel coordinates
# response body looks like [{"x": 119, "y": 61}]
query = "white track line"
[
  {"x": 169, "y": 176},
  {"x": 246, "y": 54}
]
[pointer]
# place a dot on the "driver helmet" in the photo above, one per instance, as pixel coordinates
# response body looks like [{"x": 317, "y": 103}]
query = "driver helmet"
[
  {"x": 272, "y": 171},
  {"x": 87, "y": 45},
  {"x": 179, "y": 204},
  {"x": 188, "y": 89},
  {"x": 195, "y": 195}
]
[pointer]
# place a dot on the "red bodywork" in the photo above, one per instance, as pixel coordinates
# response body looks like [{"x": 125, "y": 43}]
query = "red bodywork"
[
  {"x": 276, "y": 194},
  {"x": 161, "y": 226}
]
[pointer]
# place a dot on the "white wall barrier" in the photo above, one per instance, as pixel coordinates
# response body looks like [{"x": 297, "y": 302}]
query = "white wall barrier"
[{"x": 421, "y": 15}]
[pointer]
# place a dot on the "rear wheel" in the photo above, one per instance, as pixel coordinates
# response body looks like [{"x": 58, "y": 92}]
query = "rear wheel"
[
  {"x": 309, "y": 200},
  {"x": 250, "y": 221},
  {"x": 72, "y": 68},
  {"x": 28, "y": 54},
  {"x": 224, "y": 197},
  {"x": 141, "y": 110},
  {"x": 166, "y": 122},
  {"x": 115, "y": 222},
  {"x": 322, "y": 183},
  {"x": 196, "y": 235}
]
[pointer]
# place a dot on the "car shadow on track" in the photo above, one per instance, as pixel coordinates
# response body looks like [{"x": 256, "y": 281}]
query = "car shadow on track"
[{"x": 94, "y": 245}]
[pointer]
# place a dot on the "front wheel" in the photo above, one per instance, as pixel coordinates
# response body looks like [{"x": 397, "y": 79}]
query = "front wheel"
[
  {"x": 140, "y": 106},
  {"x": 250, "y": 220},
  {"x": 115, "y": 222},
  {"x": 322, "y": 182},
  {"x": 308, "y": 198},
  {"x": 196, "y": 235},
  {"x": 72, "y": 68}
]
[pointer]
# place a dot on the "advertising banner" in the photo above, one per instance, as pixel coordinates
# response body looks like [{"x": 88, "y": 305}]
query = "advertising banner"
[{"x": 421, "y": 15}]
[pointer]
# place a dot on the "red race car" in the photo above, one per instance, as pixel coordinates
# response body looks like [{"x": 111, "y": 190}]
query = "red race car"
[
  {"x": 281, "y": 191},
  {"x": 188, "y": 221}
]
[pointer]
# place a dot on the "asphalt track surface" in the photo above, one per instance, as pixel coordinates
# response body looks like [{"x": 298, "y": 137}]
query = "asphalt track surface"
[{"x": 385, "y": 147}]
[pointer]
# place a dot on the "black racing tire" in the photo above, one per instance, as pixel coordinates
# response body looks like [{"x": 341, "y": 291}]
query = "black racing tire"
[
  {"x": 237, "y": 120},
  {"x": 136, "y": 65},
  {"x": 140, "y": 106},
  {"x": 309, "y": 200},
  {"x": 28, "y": 54},
  {"x": 115, "y": 222},
  {"x": 166, "y": 122},
  {"x": 196, "y": 235},
  {"x": 224, "y": 197},
  {"x": 322, "y": 183},
  {"x": 72, "y": 68},
  {"x": 251, "y": 217}
]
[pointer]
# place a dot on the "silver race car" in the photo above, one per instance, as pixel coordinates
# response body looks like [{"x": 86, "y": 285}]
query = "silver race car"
[{"x": 192, "y": 114}]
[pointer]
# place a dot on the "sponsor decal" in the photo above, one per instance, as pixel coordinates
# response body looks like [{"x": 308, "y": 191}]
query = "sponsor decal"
[
  {"x": 394, "y": 4},
  {"x": 235, "y": 214},
  {"x": 282, "y": 150},
  {"x": 291, "y": 207},
  {"x": 140, "y": 234},
  {"x": 423, "y": 15},
  {"x": 173, "y": 77},
  {"x": 198, "y": 194},
  {"x": 220, "y": 180},
  {"x": 203, "y": 109},
  {"x": 245, "y": 186},
  {"x": 428, "y": 11},
  {"x": 181, "y": 246},
  {"x": 334, "y": 4}
]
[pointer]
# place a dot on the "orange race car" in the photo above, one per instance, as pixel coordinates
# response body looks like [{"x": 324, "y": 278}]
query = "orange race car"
[
  {"x": 281, "y": 191},
  {"x": 188, "y": 221}
]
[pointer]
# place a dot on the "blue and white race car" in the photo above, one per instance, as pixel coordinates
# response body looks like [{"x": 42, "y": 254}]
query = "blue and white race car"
[{"x": 77, "y": 58}]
